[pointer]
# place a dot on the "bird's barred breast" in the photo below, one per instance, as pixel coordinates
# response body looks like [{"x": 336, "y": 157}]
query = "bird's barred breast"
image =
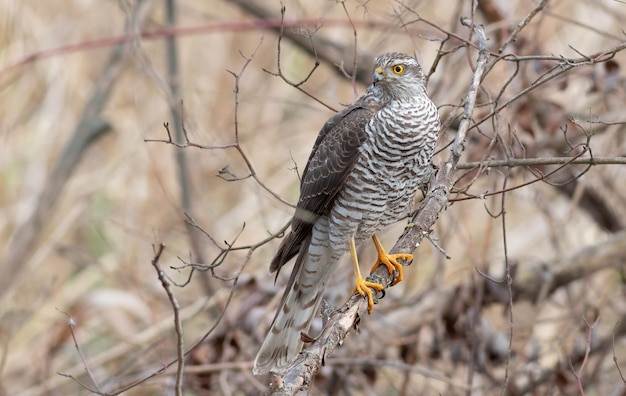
[{"x": 394, "y": 162}]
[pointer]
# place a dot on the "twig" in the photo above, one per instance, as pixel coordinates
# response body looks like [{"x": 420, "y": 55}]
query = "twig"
[
  {"x": 522, "y": 25},
  {"x": 514, "y": 162},
  {"x": 563, "y": 66},
  {"x": 619, "y": 370},
  {"x": 547, "y": 374},
  {"x": 509, "y": 283},
  {"x": 579, "y": 374},
  {"x": 470, "y": 98},
  {"x": 177, "y": 323},
  {"x": 218, "y": 260},
  {"x": 71, "y": 325},
  {"x": 236, "y": 145},
  {"x": 472, "y": 334},
  {"x": 354, "y": 55},
  {"x": 199, "y": 341},
  {"x": 542, "y": 177},
  {"x": 279, "y": 72},
  {"x": 435, "y": 26},
  {"x": 177, "y": 115},
  {"x": 326, "y": 51}
]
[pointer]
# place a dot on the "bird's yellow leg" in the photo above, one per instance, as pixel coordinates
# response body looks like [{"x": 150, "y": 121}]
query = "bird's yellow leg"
[
  {"x": 363, "y": 286},
  {"x": 389, "y": 260}
]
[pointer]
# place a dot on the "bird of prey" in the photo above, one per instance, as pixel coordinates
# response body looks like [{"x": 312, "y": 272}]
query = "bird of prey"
[{"x": 362, "y": 175}]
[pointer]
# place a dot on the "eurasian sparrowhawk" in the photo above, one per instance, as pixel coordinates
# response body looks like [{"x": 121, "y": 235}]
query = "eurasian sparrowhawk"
[{"x": 362, "y": 175}]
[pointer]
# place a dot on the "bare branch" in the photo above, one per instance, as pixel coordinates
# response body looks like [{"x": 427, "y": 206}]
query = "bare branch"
[
  {"x": 508, "y": 279},
  {"x": 354, "y": 54},
  {"x": 177, "y": 323},
  {"x": 579, "y": 373},
  {"x": 522, "y": 25},
  {"x": 563, "y": 66},
  {"x": 470, "y": 98},
  {"x": 619, "y": 369},
  {"x": 279, "y": 73},
  {"x": 236, "y": 145},
  {"x": 542, "y": 177},
  {"x": 71, "y": 325},
  {"x": 547, "y": 373},
  {"x": 514, "y": 162}
]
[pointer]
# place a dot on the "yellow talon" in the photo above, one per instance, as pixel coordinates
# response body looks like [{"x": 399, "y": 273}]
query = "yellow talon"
[
  {"x": 362, "y": 286},
  {"x": 390, "y": 261}
]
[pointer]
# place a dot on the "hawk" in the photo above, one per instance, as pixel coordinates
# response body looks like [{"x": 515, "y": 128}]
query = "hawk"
[{"x": 362, "y": 175}]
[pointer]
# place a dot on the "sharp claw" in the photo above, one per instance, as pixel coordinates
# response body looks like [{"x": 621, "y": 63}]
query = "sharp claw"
[
  {"x": 363, "y": 288},
  {"x": 391, "y": 262}
]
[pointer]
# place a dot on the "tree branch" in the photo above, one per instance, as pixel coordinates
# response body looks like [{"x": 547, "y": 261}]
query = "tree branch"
[
  {"x": 513, "y": 162},
  {"x": 180, "y": 350}
]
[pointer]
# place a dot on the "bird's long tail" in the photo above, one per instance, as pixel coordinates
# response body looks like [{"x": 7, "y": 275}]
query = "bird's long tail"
[{"x": 302, "y": 297}]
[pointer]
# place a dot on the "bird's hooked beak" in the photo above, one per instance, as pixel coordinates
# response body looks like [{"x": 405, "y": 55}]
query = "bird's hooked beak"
[{"x": 378, "y": 74}]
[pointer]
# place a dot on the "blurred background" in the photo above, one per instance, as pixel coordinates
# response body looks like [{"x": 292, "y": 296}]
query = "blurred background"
[{"x": 90, "y": 186}]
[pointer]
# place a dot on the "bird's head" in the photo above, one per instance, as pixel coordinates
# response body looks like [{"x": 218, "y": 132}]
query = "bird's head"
[{"x": 398, "y": 76}]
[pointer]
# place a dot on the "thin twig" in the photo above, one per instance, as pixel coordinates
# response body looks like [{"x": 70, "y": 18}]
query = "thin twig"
[
  {"x": 522, "y": 25},
  {"x": 514, "y": 162},
  {"x": 71, "y": 325},
  {"x": 546, "y": 374},
  {"x": 279, "y": 73},
  {"x": 354, "y": 56},
  {"x": 236, "y": 145},
  {"x": 199, "y": 341},
  {"x": 470, "y": 99},
  {"x": 509, "y": 284},
  {"x": 542, "y": 177},
  {"x": 563, "y": 66},
  {"x": 619, "y": 370},
  {"x": 579, "y": 373},
  {"x": 177, "y": 323}
]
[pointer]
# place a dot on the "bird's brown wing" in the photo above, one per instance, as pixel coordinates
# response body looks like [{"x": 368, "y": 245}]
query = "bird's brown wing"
[{"x": 333, "y": 156}]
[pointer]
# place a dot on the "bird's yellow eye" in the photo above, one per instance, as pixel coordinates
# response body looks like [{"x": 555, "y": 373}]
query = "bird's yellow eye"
[{"x": 398, "y": 69}]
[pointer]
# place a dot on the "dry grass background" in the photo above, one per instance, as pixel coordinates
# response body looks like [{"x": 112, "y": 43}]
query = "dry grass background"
[{"x": 89, "y": 255}]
